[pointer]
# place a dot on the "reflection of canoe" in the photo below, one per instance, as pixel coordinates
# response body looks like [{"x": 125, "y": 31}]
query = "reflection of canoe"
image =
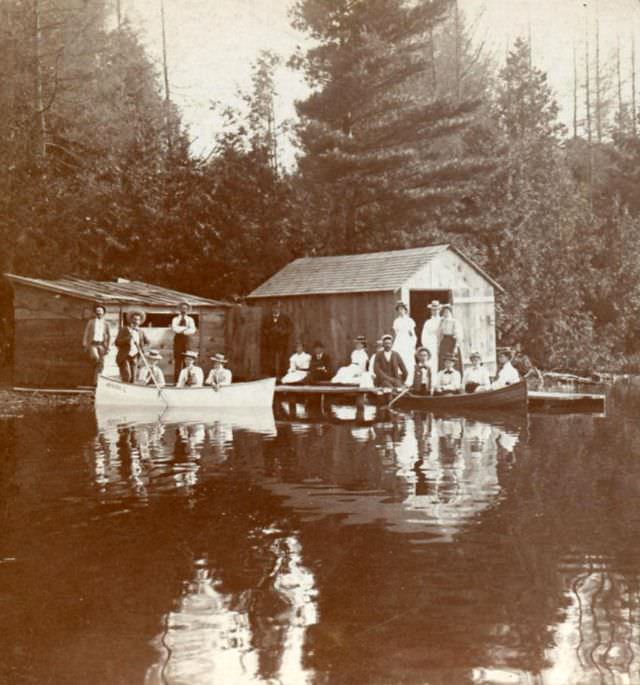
[
  {"x": 255, "y": 420},
  {"x": 112, "y": 392},
  {"x": 511, "y": 396}
]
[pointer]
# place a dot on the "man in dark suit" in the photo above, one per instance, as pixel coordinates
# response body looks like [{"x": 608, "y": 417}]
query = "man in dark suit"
[
  {"x": 276, "y": 332},
  {"x": 388, "y": 368},
  {"x": 320, "y": 369},
  {"x": 422, "y": 381},
  {"x": 97, "y": 340},
  {"x": 130, "y": 342}
]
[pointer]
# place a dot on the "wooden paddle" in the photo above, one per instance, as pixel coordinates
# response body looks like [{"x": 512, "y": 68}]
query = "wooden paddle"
[
  {"x": 155, "y": 382},
  {"x": 397, "y": 397}
]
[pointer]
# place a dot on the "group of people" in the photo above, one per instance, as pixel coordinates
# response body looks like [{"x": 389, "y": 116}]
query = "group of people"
[
  {"x": 139, "y": 366},
  {"x": 399, "y": 362}
]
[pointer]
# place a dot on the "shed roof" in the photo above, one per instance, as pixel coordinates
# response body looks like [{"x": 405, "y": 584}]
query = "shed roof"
[
  {"x": 370, "y": 272},
  {"x": 122, "y": 292}
]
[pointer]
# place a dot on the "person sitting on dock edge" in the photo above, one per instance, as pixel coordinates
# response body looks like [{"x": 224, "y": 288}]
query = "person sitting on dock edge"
[
  {"x": 153, "y": 374},
  {"x": 449, "y": 379},
  {"x": 97, "y": 339},
  {"x": 388, "y": 367},
  {"x": 422, "y": 381},
  {"x": 219, "y": 376},
  {"x": 298, "y": 366},
  {"x": 320, "y": 365},
  {"x": 191, "y": 375},
  {"x": 476, "y": 377},
  {"x": 352, "y": 373},
  {"x": 130, "y": 342},
  {"x": 507, "y": 375}
]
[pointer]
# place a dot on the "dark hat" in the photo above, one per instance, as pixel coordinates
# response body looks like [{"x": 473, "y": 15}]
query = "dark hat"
[
  {"x": 450, "y": 357},
  {"x": 135, "y": 312},
  {"x": 190, "y": 354},
  {"x": 423, "y": 349},
  {"x": 218, "y": 358},
  {"x": 99, "y": 304}
]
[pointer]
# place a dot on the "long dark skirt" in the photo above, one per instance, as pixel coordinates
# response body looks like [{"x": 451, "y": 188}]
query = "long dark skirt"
[{"x": 446, "y": 347}]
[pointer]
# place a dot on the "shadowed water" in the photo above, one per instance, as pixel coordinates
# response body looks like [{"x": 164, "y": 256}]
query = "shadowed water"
[{"x": 146, "y": 550}]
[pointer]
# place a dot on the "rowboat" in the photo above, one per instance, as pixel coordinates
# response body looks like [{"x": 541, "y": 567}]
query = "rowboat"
[
  {"x": 511, "y": 396},
  {"x": 255, "y": 394}
]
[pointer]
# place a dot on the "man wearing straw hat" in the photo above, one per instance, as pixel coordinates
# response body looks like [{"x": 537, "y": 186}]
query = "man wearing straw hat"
[
  {"x": 184, "y": 328},
  {"x": 131, "y": 342},
  {"x": 218, "y": 376}
]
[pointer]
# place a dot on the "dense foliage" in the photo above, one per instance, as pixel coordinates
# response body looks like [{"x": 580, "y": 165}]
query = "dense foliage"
[{"x": 410, "y": 136}]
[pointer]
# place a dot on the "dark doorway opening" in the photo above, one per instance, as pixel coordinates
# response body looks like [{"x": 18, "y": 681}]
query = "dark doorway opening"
[{"x": 419, "y": 301}]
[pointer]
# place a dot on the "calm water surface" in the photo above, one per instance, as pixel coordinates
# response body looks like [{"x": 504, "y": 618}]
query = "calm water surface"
[{"x": 137, "y": 550}]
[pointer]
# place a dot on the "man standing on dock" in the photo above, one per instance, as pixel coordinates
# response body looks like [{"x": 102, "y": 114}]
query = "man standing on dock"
[
  {"x": 184, "y": 328},
  {"x": 276, "y": 332},
  {"x": 97, "y": 340},
  {"x": 388, "y": 368}
]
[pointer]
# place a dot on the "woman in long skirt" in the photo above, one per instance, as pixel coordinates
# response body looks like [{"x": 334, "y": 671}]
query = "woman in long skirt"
[
  {"x": 352, "y": 373},
  {"x": 298, "y": 365},
  {"x": 404, "y": 342},
  {"x": 431, "y": 336},
  {"x": 450, "y": 338}
]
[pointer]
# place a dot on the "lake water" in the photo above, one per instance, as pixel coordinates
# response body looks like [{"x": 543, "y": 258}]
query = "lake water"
[{"x": 421, "y": 550}]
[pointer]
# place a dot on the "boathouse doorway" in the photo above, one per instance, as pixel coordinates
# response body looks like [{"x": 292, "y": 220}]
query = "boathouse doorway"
[{"x": 419, "y": 301}]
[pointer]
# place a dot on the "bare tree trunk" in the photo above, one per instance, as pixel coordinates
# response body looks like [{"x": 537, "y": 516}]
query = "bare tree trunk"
[
  {"x": 40, "y": 114},
  {"x": 165, "y": 66},
  {"x": 575, "y": 91},
  {"x": 619, "y": 80},
  {"x": 634, "y": 125},
  {"x": 598, "y": 82},
  {"x": 587, "y": 91}
]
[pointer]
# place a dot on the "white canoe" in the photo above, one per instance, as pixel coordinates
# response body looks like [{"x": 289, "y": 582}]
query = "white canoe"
[{"x": 113, "y": 392}]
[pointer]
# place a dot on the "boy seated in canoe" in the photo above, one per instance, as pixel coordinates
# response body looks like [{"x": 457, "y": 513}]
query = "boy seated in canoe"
[
  {"x": 219, "y": 376},
  {"x": 422, "y": 381},
  {"x": 449, "y": 380},
  {"x": 152, "y": 374},
  {"x": 476, "y": 377},
  {"x": 191, "y": 375}
]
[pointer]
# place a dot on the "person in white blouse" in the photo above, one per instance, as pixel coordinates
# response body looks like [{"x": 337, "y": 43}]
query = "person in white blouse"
[
  {"x": 507, "y": 375},
  {"x": 449, "y": 379},
  {"x": 219, "y": 376},
  {"x": 430, "y": 337},
  {"x": 476, "y": 378},
  {"x": 191, "y": 375},
  {"x": 184, "y": 328},
  {"x": 404, "y": 342},
  {"x": 298, "y": 365},
  {"x": 352, "y": 373},
  {"x": 153, "y": 374}
]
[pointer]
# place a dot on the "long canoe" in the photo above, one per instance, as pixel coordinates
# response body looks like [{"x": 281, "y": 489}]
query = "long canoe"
[
  {"x": 255, "y": 394},
  {"x": 511, "y": 396}
]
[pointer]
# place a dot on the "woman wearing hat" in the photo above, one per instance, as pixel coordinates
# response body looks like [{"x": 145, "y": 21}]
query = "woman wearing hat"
[
  {"x": 299, "y": 363},
  {"x": 431, "y": 335},
  {"x": 476, "y": 377},
  {"x": 191, "y": 375},
  {"x": 404, "y": 343},
  {"x": 219, "y": 376},
  {"x": 352, "y": 373},
  {"x": 450, "y": 342},
  {"x": 153, "y": 375}
]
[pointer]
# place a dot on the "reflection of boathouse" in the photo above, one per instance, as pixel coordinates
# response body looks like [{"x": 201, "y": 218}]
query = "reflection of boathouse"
[{"x": 336, "y": 298}]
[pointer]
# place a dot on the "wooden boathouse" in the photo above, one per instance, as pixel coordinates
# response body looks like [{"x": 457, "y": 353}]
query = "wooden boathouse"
[
  {"x": 334, "y": 299},
  {"x": 51, "y": 315}
]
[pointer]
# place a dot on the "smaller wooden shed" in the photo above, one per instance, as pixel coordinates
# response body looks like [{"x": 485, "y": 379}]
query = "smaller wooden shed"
[
  {"x": 50, "y": 317},
  {"x": 336, "y": 298}
]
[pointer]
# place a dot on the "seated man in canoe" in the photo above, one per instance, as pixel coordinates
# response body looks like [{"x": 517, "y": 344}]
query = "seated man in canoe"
[
  {"x": 422, "y": 381},
  {"x": 449, "y": 379},
  {"x": 320, "y": 365},
  {"x": 191, "y": 375},
  {"x": 153, "y": 374},
  {"x": 388, "y": 367},
  {"x": 507, "y": 375},
  {"x": 219, "y": 376},
  {"x": 476, "y": 377}
]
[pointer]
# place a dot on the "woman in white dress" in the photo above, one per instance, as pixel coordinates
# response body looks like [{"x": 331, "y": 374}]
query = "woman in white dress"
[
  {"x": 404, "y": 341},
  {"x": 298, "y": 366},
  {"x": 352, "y": 373},
  {"x": 431, "y": 335},
  {"x": 476, "y": 378}
]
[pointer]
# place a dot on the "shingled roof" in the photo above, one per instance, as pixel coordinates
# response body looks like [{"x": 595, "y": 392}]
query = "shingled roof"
[
  {"x": 121, "y": 292},
  {"x": 370, "y": 272}
]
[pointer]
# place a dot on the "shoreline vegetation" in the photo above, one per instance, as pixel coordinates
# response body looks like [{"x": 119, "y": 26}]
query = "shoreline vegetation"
[{"x": 413, "y": 135}]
